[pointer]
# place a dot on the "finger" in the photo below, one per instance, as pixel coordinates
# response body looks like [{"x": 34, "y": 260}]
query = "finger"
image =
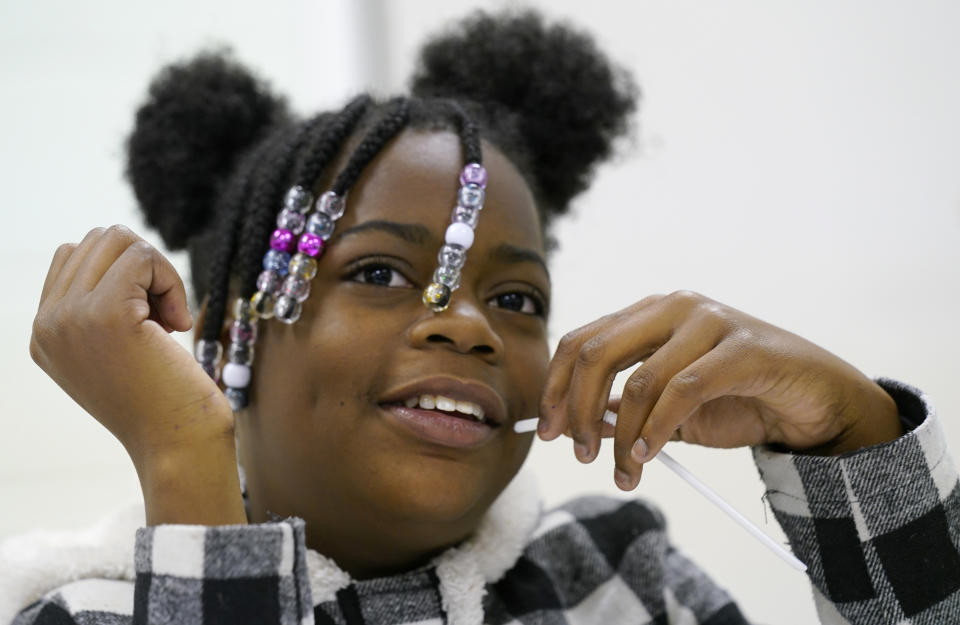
[
  {"x": 720, "y": 373},
  {"x": 608, "y": 352},
  {"x": 640, "y": 394},
  {"x": 69, "y": 270},
  {"x": 101, "y": 256},
  {"x": 56, "y": 265},
  {"x": 553, "y": 421},
  {"x": 144, "y": 275}
]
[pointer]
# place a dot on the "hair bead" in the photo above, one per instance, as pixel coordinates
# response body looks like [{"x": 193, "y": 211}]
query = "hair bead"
[{"x": 298, "y": 199}]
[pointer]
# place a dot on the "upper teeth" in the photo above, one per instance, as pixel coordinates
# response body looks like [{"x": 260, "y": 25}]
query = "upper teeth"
[{"x": 440, "y": 402}]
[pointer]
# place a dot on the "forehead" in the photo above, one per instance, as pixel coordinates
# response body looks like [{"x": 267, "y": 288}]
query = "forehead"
[{"x": 415, "y": 179}]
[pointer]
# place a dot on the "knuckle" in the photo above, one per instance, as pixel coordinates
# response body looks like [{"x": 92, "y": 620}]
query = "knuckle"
[
  {"x": 686, "y": 298},
  {"x": 686, "y": 385},
  {"x": 640, "y": 384},
  {"x": 568, "y": 343},
  {"x": 119, "y": 231},
  {"x": 592, "y": 351}
]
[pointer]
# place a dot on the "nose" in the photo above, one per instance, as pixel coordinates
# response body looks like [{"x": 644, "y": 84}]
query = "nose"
[{"x": 462, "y": 327}]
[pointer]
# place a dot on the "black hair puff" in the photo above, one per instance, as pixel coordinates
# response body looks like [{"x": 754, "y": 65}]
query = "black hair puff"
[
  {"x": 570, "y": 101},
  {"x": 199, "y": 117}
]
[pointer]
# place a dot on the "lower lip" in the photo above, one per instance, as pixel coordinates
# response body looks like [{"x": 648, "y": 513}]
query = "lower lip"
[{"x": 439, "y": 428}]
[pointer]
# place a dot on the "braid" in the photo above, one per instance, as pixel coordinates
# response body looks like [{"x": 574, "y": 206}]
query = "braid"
[
  {"x": 387, "y": 128},
  {"x": 230, "y": 208},
  {"x": 331, "y": 138},
  {"x": 261, "y": 210},
  {"x": 469, "y": 135}
]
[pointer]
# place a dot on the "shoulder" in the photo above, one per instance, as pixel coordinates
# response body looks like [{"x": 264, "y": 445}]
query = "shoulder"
[{"x": 88, "y": 601}]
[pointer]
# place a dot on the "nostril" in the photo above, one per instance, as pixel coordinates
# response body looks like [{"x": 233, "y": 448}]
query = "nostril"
[{"x": 483, "y": 349}]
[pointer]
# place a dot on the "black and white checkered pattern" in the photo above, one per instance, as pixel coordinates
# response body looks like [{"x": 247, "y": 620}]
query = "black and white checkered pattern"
[{"x": 879, "y": 529}]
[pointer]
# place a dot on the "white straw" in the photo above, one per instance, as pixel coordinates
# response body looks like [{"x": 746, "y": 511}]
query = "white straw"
[{"x": 529, "y": 425}]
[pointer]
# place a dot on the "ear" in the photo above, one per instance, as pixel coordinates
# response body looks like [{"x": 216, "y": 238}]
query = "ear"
[{"x": 200, "y": 323}]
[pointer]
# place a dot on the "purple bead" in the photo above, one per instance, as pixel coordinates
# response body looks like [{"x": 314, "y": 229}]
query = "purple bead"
[
  {"x": 282, "y": 240},
  {"x": 474, "y": 173},
  {"x": 291, "y": 220},
  {"x": 275, "y": 260},
  {"x": 243, "y": 332},
  {"x": 310, "y": 244},
  {"x": 269, "y": 281}
]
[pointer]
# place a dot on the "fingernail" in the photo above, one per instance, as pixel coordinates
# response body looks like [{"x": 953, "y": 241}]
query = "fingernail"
[
  {"x": 542, "y": 426},
  {"x": 640, "y": 450},
  {"x": 623, "y": 479},
  {"x": 582, "y": 452}
]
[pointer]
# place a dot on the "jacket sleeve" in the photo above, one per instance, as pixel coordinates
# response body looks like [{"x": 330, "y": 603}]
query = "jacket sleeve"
[
  {"x": 226, "y": 574},
  {"x": 190, "y": 575},
  {"x": 879, "y": 528}
]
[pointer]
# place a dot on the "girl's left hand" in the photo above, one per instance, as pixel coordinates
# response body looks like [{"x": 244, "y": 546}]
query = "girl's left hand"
[{"x": 711, "y": 375}]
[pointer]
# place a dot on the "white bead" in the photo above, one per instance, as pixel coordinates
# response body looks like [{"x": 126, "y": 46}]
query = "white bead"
[
  {"x": 460, "y": 234},
  {"x": 235, "y": 375}
]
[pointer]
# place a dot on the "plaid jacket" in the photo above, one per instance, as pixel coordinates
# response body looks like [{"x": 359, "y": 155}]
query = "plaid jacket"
[{"x": 878, "y": 528}]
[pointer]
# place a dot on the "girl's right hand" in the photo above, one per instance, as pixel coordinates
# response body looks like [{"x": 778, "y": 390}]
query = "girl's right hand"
[{"x": 101, "y": 333}]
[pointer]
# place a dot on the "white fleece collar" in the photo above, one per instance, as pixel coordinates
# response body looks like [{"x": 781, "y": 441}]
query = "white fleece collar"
[{"x": 37, "y": 562}]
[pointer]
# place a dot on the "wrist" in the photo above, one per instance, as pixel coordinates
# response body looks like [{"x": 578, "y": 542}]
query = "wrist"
[
  {"x": 195, "y": 483},
  {"x": 872, "y": 418}
]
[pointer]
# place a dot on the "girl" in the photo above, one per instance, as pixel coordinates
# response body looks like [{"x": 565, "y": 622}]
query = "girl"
[{"x": 363, "y": 352}]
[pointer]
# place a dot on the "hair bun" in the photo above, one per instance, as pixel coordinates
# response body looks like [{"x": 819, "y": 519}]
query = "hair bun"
[
  {"x": 571, "y": 101},
  {"x": 199, "y": 116}
]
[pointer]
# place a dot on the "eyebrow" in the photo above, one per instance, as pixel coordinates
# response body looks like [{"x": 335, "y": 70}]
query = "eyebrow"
[{"x": 421, "y": 235}]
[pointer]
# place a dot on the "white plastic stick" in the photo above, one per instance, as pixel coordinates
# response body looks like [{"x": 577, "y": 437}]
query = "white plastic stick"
[{"x": 529, "y": 425}]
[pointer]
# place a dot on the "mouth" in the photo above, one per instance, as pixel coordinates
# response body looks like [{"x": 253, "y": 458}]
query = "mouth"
[{"x": 447, "y": 411}]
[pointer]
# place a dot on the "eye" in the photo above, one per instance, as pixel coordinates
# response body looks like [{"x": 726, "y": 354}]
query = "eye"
[
  {"x": 519, "y": 302},
  {"x": 379, "y": 274}
]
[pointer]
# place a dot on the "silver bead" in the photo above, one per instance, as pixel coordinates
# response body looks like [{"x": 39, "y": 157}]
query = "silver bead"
[
  {"x": 208, "y": 351},
  {"x": 466, "y": 215},
  {"x": 471, "y": 195},
  {"x": 287, "y": 309},
  {"x": 240, "y": 353},
  {"x": 452, "y": 255},
  {"x": 331, "y": 204},
  {"x": 298, "y": 199},
  {"x": 291, "y": 220},
  {"x": 237, "y": 398},
  {"x": 321, "y": 225},
  {"x": 447, "y": 276},
  {"x": 297, "y": 288}
]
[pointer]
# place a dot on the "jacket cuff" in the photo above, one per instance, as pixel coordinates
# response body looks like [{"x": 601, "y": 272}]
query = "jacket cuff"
[
  {"x": 235, "y": 573},
  {"x": 870, "y": 522}
]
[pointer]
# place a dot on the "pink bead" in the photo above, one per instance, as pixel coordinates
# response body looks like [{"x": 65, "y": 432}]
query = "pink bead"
[
  {"x": 282, "y": 240},
  {"x": 310, "y": 244},
  {"x": 474, "y": 173}
]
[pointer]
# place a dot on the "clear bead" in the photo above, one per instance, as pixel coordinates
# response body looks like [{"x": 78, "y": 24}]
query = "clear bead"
[
  {"x": 211, "y": 370},
  {"x": 321, "y": 225},
  {"x": 331, "y": 204},
  {"x": 436, "y": 297},
  {"x": 297, "y": 288},
  {"x": 298, "y": 199},
  {"x": 471, "y": 195},
  {"x": 452, "y": 255},
  {"x": 291, "y": 220},
  {"x": 240, "y": 353},
  {"x": 243, "y": 332},
  {"x": 466, "y": 215},
  {"x": 275, "y": 260},
  {"x": 474, "y": 173},
  {"x": 237, "y": 398},
  {"x": 303, "y": 266},
  {"x": 262, "y": 303},
  {"x": 447, "y": 276},
  {"x": 243, "y": 311},
  {"x": 287, "y": 309},
  {"x": 208, "y": 351},
  {"x": 268, "y": 281}
]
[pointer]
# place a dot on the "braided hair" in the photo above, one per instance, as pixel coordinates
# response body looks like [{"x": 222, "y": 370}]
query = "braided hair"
[{"x": 213, "y": 149}]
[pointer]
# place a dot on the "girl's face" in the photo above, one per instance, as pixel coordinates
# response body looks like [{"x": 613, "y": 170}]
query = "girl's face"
[{"x": 328, "y": 436}]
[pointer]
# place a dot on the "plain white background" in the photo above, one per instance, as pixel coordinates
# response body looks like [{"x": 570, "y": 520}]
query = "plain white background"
[{"x": 798, "y": 161}]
